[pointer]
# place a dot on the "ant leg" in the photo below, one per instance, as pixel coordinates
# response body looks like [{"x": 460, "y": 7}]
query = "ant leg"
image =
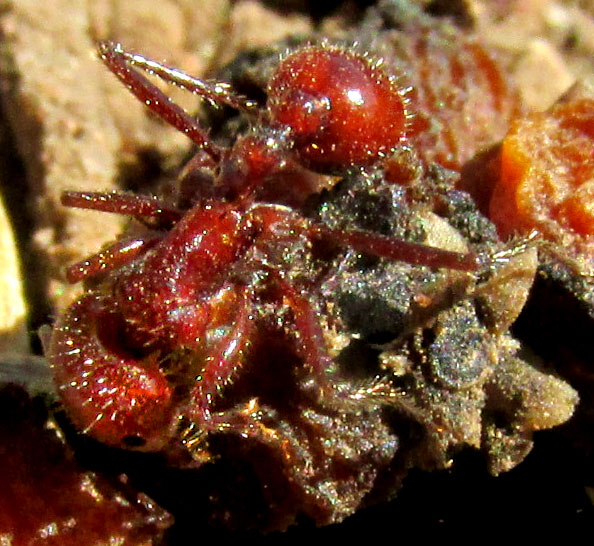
[
  {"x": 121, "y": 252},
  {"x": 138, "y": 206},
  {"x": 214, "y": 92},
  {"x": 112, "y": 257},
  {"x": 312, "y": 345},
  {"x": 312, "y": 348},
  {"x": 396, "y": 249},
  {"x": 263, "y": 424},
  {"x": 376, "y": 244},
  {"x": 118, "y": 61},
  {"x": 223, "y": 361}
]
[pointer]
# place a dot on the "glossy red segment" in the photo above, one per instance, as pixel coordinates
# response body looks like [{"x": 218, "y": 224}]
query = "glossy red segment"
[
  {"x": 340, "y": 108},
  {"x": 113, "y": 396},
  {"x": 116, "y": 255}
]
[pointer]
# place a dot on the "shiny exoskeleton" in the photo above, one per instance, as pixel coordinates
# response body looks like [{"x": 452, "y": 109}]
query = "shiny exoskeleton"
[{"x": 191, "y": 289}]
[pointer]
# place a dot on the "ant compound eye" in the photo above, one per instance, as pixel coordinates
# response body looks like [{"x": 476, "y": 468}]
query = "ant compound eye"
[
  {"x": 133, "y": 442},
  {"x": 341, "y": 109}
]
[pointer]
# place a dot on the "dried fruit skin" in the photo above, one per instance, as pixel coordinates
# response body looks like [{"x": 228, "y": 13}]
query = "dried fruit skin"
[
  {"x": 460, "y": 99},
  {"x": 545, "y": 181},
  {"x": 47, "y": 499}
]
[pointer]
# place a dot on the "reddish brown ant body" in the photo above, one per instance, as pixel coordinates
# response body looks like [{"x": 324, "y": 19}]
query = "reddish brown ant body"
[{"x": 194, "y": 285}]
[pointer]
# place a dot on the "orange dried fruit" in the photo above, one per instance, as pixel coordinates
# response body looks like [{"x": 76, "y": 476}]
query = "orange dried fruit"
[{"x": 546, "y": 174}]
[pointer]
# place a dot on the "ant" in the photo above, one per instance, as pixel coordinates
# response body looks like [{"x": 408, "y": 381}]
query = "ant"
[{"x": 194, "y": 285}]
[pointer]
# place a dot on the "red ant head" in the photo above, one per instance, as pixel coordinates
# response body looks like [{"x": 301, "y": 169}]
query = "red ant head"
[{"x": 341, "y": 108}]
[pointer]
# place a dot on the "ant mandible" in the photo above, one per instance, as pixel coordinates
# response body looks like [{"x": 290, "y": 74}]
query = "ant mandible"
[{"x": 194, "y": 283}]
